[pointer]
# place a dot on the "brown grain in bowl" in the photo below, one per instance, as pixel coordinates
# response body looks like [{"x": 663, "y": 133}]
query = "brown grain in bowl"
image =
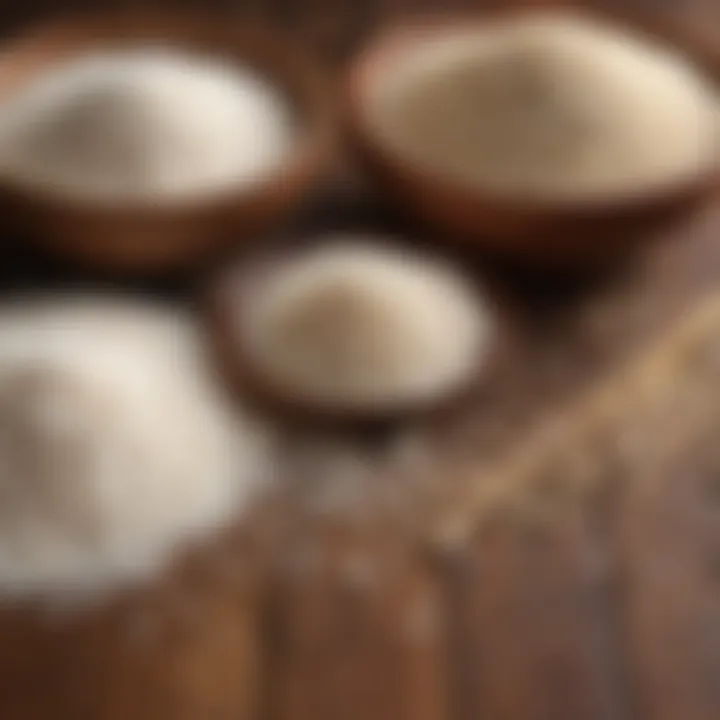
[
  {"x": 233, "y": 291},
  {"x": 544, "y": 232},
  {"x": 151, "y": 238}
]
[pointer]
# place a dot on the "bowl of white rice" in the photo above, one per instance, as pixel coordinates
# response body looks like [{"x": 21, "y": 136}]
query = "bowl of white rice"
[{"x": 147, "y": 141}]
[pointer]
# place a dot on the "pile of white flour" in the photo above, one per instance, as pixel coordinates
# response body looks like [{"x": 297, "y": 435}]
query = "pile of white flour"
[
  {"x": 144, "y": 125},
  {"x": 116, "y": 448}
]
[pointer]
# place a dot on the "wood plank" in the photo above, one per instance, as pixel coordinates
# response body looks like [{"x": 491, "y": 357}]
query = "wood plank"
[
  {"x": 535, "y": 636},
  {"x": 185, "y": 649},
  {"x": 357, "y": 634},
  {"x": 669, "y": 537},
  {"x": 616, "y": 487}
]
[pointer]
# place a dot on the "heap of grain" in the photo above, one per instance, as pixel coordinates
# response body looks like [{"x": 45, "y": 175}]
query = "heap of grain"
[
  {"x": 144, "y": 125},
  {"x": 358, "y": 326},
  {"x": 115, "y": 448},
  {"x": 548, "y": 107}
]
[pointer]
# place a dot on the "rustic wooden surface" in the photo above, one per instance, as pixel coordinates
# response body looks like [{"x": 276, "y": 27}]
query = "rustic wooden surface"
[{"x": 610, "y": 612}]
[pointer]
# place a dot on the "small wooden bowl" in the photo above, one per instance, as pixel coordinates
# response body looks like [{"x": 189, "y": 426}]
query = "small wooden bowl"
[
  {"x": 234, "y": 290},
  {"x": 151, "y": 238},
  {"x": 551, "y": 235}
]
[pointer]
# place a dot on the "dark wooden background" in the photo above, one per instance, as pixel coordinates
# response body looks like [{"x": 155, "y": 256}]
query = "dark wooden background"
[{"x": 335, "y": 27}]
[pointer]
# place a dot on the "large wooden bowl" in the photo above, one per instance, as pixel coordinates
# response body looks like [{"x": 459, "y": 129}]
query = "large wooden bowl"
[
  {"x": 151, "y": 237},
  {"x": 546, "y": 233}
]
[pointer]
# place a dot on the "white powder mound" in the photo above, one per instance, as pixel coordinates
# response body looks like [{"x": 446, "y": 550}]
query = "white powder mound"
[
  {"x": 356, "y": 326},
  {"x": 145, "y": 125},
  {"x": 115, "y": 447},
  {"x": 550, "y": 106}
]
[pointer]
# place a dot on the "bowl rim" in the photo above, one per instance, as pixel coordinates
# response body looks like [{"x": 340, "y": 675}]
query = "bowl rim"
[
  {"x": 398, "y": 37},
  {"x": 295, "y": 73}
]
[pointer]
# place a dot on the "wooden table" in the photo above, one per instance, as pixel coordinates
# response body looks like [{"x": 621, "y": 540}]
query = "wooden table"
[{"x": 610, "y": 612}]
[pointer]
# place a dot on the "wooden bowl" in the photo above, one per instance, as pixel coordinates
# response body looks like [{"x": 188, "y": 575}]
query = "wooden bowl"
[
  {"x": 552, "y": 234},
  {"x": 175, "y": 234},
  {"x": 234, "y": 288}
]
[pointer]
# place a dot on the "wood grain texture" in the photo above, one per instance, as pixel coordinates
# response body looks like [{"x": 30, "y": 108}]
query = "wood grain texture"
[
  {"x": 535, "y": 636},
  {"x": 668, "y": 532},
  {"x": 358, "y": 633},
  {"x": 186, "y": 648}
]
